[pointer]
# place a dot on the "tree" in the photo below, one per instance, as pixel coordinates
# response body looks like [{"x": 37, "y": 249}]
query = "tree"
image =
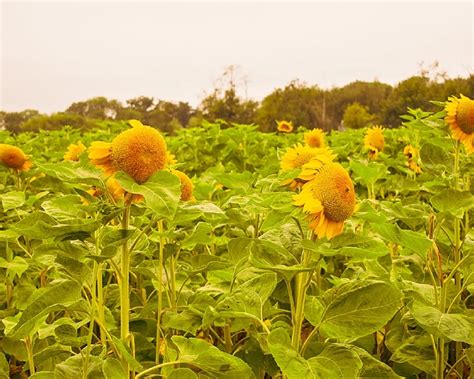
[
  {"x": 142, "y": 104},
  {"x": 297, "y": 102},
  {"x": 12, "y": 121},
  {"x": 414, "y": 92},
  {"x": 98, "y": 108},
  {"x": 357, "y": 116}
]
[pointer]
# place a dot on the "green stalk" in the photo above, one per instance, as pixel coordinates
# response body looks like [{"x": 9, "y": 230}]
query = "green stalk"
[
  {"x": 29, "y": 352},
  {"x": 125, "y": 287},
  {"x": 457, "y": 239},
  {"x": 302, "y": 284},
  {"x": 160, "y": 292},
  {"x": 100, "y": 303}
]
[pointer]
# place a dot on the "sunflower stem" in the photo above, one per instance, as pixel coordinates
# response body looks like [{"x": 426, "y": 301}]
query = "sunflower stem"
[
  {"x": 125, "y": 286},
  {"x": 29, "y": 352},
  {"x": 457, "y": 240},
  {"x": 302, "y": 284},
  {"x": 160, "y": 292}
]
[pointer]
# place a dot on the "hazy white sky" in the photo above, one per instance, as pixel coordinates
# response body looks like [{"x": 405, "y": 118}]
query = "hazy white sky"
[{"x": 55, "y": 53}]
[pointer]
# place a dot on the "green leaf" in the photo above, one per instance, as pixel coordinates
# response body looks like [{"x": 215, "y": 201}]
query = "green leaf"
[
  {"x": 433, "y": 155},
  {"x": 17, "y": 266},
  {"x": 335, "y": 361},
  {"x": 12, "y": 200},
  {"x": 201, "y": 235},
  {"x": 358, "y": 308},
  {"x": 73, "y": 367},
  {"x": 416, "y": 351},
  {"x": 210, "y": 359},
  {"x": 369, "y": 172},
  {"x": 182, "y": 373},
  {"x": 373, "y": 368},
  {"x": 71, "y": 172},
  {"x": 44, "y": 301},
  {"x": 39, "y": 225},
  {"x": 113, "y": 369},
  {"x": 161, "y": 192},
  {"x": 414, "y": 241},
  {"x": 43, "y": 375},
  {"x": 454, "y": 326},
  {"x": 313, "y": 310},
  {"x": 453, "y": 202}
]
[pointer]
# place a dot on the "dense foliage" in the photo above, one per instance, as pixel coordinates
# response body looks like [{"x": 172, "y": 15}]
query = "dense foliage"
[{"x": 213, "y": 281}]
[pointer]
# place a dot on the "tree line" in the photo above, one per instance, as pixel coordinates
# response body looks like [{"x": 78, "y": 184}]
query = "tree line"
[{"x": 355, "y": 105}]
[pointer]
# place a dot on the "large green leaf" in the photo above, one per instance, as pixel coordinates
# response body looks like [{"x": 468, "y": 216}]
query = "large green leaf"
[
  {"x": 161, "y": 192},
  {"x": 454, "y": 326},
  {"x": 12, "y": 200},
  {"x": 358, "y": 308},
  {"x": 44, "y": 301},
  {"x": 210, "y": 359},
  {"x": 453, "y": 202},
  {"x": 39, "y": 225},
  {"x": 335, "y": 361},
  {"x": 414, "y": 241}
]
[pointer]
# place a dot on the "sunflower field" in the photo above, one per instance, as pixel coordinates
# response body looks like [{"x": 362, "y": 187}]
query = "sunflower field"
[{"x": 225, "y": 252}]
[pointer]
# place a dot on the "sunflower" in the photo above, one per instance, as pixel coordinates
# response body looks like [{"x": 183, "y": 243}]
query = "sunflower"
[
  {"x": 412, "y": 154},
  {"x": 14, "y": 157},
  {"x": 74, "y": 151},
  {"x": 94, "y": 192},
  {"x": 374, "y": 141},
  {"x": 460, "y": 118},
  {"x": 139, "y": 151},
  {"x": 314, "y": 138},
  {"x": 186, "y": 185},
  {"x": 285, "y": 126},
  {"x": 328, "y": 200},
  {"x": 297, "y": 156}
]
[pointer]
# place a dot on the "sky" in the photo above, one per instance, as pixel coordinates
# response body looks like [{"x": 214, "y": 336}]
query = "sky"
[{"x": 55, "y": 53}]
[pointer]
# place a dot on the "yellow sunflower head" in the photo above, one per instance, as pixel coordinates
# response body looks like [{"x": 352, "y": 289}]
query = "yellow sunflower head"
[
  {"x": 139, "y": 151},
  {"x": 298, "y": 156},
  {"x": 460, "y": 118},
  {"x": 328, "y": 199},
  {"x": 314, "y": 138},
  {"x": 187, "y": 186},
  {"x": 285, "y": 126},
  {"x": 14, "y": 157},
  {"x": 374, "y": 139},
  {"x": 74, "y": 151}
]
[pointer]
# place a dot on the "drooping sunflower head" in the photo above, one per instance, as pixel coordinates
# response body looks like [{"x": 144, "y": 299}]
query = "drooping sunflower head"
[
  {"x": 187, "y": 186},
  {"x": 460, "y": 118},
  {"x": 413, "y": 165},
  {"x": 285, "y": 126},
  {"x": 139, "y": 151},
  {"x": 74, "y": 151},
  {"x": 411, "y": 152},
  {"x": 13, "y": 157},
  {"x": 328, "y": 199},
  {"x": 314, "y": 138},
  {"x": 374, "y": 139}
]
